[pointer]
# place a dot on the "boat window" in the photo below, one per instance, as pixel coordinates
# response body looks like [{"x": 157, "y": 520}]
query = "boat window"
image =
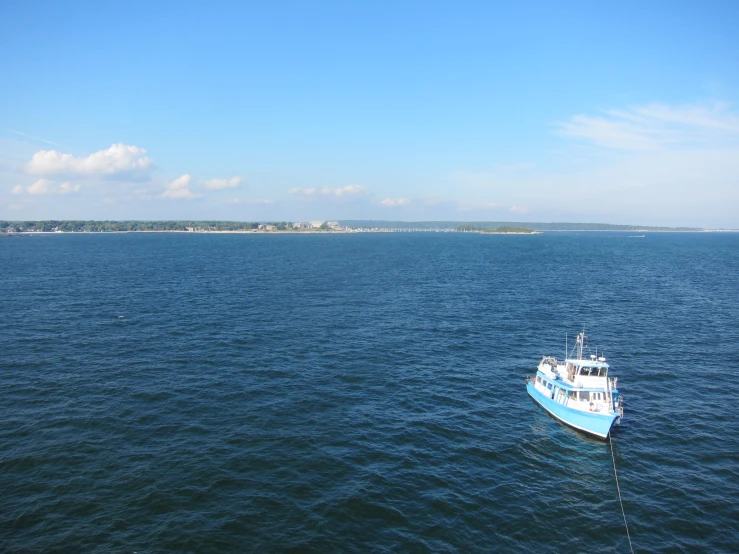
[
  {"x": 538, "y": 379},
  {"x": 584, "y": 396},
  {"x": 549, "y": 386},
  {"x": 572, "y": 395}
]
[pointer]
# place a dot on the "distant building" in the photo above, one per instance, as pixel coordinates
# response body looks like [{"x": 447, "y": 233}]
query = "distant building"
[
  {"x": 316, "y": 224},
  {"x": 270, "y": 227},
  {"x": 334, "y": 224}
]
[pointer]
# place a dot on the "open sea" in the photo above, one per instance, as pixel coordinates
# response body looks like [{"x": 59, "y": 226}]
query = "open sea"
[{"x": 362, "y": 393}]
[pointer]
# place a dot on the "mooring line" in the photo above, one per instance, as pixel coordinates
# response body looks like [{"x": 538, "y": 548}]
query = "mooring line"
[{"x": 610, "y": 441}]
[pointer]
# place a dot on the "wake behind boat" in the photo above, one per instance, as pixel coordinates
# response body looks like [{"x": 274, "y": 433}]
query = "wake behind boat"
[{"x": 578, "y": 392}]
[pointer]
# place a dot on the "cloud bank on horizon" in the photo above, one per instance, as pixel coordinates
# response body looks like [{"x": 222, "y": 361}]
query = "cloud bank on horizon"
[{"x": 310, "y": 131}]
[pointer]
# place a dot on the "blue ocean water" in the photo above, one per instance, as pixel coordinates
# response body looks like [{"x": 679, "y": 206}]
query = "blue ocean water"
[{"x": 354, "y": 393}]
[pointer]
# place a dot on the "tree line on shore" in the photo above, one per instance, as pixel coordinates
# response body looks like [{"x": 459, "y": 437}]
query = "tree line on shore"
[{"x": 49, "y": 226}]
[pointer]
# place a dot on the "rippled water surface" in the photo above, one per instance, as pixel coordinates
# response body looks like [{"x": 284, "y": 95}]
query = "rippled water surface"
[{"x": 355, "y": 393}]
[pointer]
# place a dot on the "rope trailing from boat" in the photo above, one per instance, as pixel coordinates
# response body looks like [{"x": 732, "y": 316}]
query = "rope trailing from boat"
[{"x": 610, "y": 441}]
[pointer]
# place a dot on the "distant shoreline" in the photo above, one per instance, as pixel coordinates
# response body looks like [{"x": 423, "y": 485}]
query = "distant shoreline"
[
  {"x": 306, "y": 232},
  {"x": 323, "y": 227},
  {"x": 353, "y": 232}
]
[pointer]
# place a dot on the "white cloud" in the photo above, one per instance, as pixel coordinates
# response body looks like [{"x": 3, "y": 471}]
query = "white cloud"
[
  {"x": 179, "y": 188},
  {"x": 119, "y": 159},
  {"x": 348, "y": 190},
  {"x": 46, "y": 186},
  {"x": 518, "y": 210},
  {"x": 42, "y": 186},
  {"x": 66, "y": 188},
  {"x": 655, "y": 126},
  {"x": 218, "y": 184},
  {"x": 390, "y": 202}
]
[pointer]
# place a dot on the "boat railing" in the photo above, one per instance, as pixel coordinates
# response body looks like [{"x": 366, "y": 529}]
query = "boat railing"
[{"x": 610, "y": 385}]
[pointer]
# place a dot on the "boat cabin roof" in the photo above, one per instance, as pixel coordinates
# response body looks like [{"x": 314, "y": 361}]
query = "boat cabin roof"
[
  {"x": 568, "y": 386},
  {"x": 586, "y": 363}
]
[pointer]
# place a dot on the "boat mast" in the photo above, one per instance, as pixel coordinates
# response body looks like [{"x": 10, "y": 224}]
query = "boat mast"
[{"x": 580, "y": 341}]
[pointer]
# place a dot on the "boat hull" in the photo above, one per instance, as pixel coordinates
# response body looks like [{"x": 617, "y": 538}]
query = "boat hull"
[{"x": 595, "y": 424}]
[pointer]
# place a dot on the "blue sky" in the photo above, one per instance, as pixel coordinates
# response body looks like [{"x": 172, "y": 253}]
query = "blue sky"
[{"x": 542, "y": 111}]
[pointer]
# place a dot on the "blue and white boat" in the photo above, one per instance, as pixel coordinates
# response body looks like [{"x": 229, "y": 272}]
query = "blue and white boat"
[{"x": 579, "y": 391}]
